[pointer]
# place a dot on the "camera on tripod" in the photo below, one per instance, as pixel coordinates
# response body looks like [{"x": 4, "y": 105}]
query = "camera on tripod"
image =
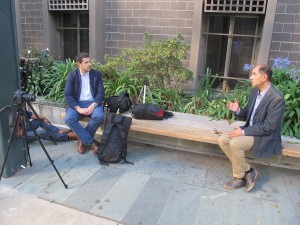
[{"x": 20, "y": 97}]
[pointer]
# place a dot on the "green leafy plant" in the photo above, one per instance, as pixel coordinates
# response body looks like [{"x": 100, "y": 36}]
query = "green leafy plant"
[
  {"x": 122, "y": 81},
  {"x": 160, "y": 62},
  {"x": 55, "y": 80},
  {"x": 203, "y": 95},
  {"x": 35, "y": 64},
  {"x": 286, "y": 78}
]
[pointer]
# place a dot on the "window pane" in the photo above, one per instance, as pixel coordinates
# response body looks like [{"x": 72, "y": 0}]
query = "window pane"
[
  {"x": 219, "y": 24},
  {"x": 216, "y": 54},
  {"x": 241, "y": 54},
  {"x": 69, "y": 20},
  {"x": 75, "y": 39},
  {"x": 84, "y": 40},
  {"x": 243, "y": 25},
  {"x": 70, "y": 44},
  {"x": 84, "y": 20}
]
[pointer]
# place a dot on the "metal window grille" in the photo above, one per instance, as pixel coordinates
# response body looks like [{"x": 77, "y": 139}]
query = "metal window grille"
[
  {"x": 58, "y": 5},
  {"x": 236, "y": 6}
]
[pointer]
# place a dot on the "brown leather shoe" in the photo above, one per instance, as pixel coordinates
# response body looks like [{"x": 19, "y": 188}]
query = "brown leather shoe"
[
  {"x": 94, "y": 146},
  {"x": 72, "y": 136},
  {"x": 81, "y": 148},
  {"x": 235, "y": 183},
  {"x": 250, "y": 180}
]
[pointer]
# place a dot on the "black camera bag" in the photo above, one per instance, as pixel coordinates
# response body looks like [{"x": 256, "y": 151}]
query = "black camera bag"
[{"x": 121, "y": 103}]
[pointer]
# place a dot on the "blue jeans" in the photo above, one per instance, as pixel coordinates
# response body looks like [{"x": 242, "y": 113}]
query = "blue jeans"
[
  {"x": 85, "y": 134},
  {"x": 53, "y": 131}
]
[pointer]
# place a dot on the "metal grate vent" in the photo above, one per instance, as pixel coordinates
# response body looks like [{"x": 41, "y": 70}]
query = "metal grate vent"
[
  {"x": 57, "y": 5},
  {"x": 236, "y": 6}
]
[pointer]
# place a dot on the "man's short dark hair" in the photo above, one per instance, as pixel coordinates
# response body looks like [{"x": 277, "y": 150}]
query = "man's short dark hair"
[
  {"x": 263, "y": 68},
  {"x": 82, "y": 55}
]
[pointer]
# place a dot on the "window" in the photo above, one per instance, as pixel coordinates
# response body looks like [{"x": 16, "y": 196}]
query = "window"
[
  {"x": 236, "y": 6},
  {"x": 73, "y": 30},
  {"x": 230, "y": 43},
  {"x": 56, "y": 5}
]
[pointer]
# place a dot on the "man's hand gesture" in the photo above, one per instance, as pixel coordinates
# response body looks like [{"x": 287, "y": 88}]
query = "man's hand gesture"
[{"x": 233, "y": 106}]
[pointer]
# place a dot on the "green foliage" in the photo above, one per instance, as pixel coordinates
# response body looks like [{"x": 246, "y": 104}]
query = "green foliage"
[
  {"x": 154, "y": 61},
  {"x": 55, "y": 80},
  {"x": 35, "y": 64},
  {"x": 122, "y": 81},
  {"x": 158, "y": 61},
  {"x": 287, "y": 80}
]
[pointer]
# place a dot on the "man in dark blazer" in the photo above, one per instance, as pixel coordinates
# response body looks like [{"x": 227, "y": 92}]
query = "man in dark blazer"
[
  {"x": 84, "y": 93},
  {"x": 261, "y": 133}
]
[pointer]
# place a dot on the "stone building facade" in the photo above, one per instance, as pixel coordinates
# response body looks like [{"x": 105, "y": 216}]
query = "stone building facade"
[
  {"x": 221, "y": 36},
  {"x": 286, "y": 32}
]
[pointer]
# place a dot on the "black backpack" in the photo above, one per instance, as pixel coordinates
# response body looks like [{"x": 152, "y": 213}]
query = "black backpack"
[
  {"x": 113, "y": 146},
  {"x": 121, "y": 102}
]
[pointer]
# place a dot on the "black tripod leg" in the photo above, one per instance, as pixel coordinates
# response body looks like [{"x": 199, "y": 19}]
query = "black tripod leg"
[
  {"x": 37, "y": 116},
  {"x": 44, "y": 149},
  {"x": 9, "y": 146},
  {"x": 24, "y": 138}
]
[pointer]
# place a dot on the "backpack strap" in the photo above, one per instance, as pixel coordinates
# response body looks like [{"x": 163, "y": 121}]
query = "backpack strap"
[{"x": 124, "y": 144}]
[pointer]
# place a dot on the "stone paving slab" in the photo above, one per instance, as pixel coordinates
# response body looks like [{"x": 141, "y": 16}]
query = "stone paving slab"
[
  {"x": 163, "y": 187},
  {"x": 18, "y": 208}
]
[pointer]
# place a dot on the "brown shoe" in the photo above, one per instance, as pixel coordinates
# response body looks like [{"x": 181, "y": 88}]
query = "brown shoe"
[
  {"x": 250, "y": 180},
  {"x": 235, "y": 183},
  {"x": 81, "y": 148},
  {"x": 72, "y": 136},
  {"x": 94, "y": 147}
]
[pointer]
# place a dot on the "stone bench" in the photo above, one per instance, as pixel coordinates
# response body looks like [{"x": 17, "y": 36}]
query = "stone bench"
[
  {"x": 190, "y": 127},
  {"x": 187, "y": 132}
]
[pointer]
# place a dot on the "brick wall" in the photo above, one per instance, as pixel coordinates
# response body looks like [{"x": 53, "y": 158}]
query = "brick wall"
[
  {"x": 32, "y": 34},
  {"x": 128, "y": 20},
  {"x": 286, "y": 32}
]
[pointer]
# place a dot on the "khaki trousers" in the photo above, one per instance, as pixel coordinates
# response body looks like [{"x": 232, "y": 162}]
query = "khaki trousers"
[{"x": 235, "y": 149}]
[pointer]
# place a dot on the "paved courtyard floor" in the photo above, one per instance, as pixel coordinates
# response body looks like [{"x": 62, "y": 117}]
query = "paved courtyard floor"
[{"x": 163, "y": 187}]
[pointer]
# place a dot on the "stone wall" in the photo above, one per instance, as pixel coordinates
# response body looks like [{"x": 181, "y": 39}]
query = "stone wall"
[
  {"x": 31, "y": 24},
  {"x": 128, "y": 20},
  {"x": 286, "y": 32}
]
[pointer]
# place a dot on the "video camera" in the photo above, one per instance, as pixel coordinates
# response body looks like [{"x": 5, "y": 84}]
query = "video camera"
[{"x": 21, "y": 97}]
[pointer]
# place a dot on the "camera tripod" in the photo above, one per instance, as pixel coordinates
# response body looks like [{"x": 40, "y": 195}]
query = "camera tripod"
[
  {"x": 145, "y": 88},
  {"x": 19, "y": 123}
]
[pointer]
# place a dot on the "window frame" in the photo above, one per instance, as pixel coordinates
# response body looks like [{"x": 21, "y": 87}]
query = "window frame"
[
  {"x": 230, "y": 35},
  {"x": 60, "y": 28}
]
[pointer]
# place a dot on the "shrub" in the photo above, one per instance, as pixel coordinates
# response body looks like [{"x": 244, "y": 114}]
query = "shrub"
[{"x": 160, "y": 62}]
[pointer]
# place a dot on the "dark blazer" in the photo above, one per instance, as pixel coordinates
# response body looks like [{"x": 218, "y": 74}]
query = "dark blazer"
[
  {"x": 266, "y": 125},
  {"x": 73, "y": 87}
]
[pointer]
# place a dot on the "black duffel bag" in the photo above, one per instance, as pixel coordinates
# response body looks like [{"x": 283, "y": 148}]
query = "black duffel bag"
[{"x": 149, "y": 112}]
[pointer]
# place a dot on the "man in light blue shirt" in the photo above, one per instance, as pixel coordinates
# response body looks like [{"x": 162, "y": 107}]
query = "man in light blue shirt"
[{"x": 262, "y": 132}]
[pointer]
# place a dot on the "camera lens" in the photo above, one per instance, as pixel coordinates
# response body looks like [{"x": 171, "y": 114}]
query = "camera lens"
[{"x": 29, "y": 97}]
